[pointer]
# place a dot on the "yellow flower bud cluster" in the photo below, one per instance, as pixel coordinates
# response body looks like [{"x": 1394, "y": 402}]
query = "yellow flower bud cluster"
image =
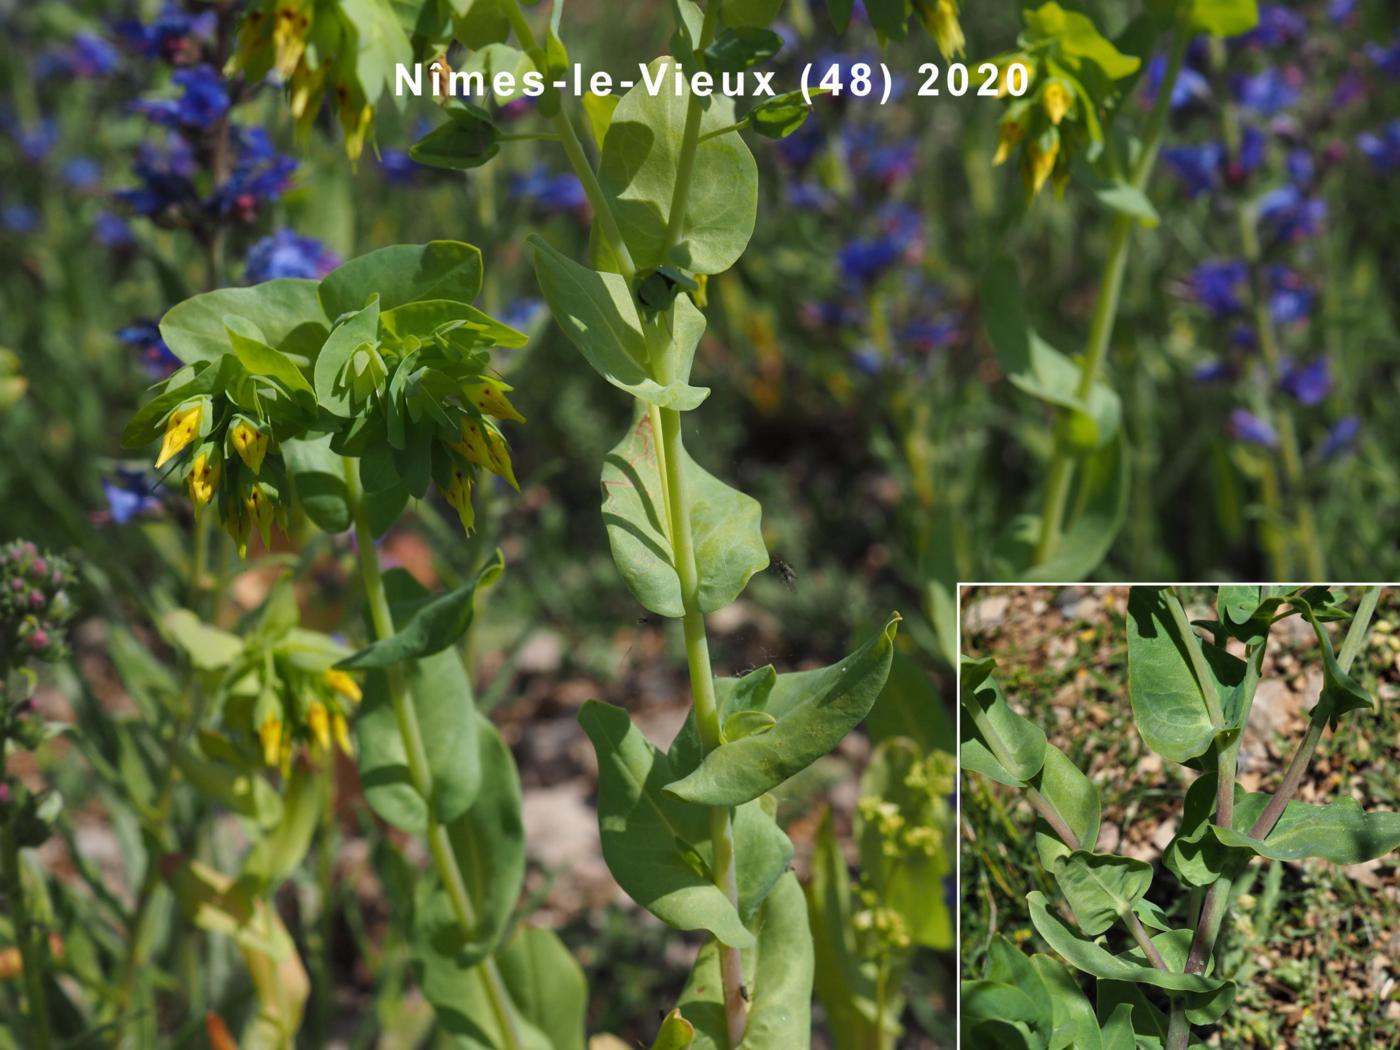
[
  {"x": 480, "y": 444},
  {"x": 940, "y": 18},
  {"x": 298, "y": 41},
  {"x": 312, "y": 711}
]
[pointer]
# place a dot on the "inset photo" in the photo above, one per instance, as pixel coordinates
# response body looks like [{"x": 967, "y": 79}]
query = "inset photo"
[{"x": 1179, "y": 816}]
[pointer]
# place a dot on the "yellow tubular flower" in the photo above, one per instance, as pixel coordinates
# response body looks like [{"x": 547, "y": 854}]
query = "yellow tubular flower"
[
  {"x": 1057, "y": 100},
  {"x": 203, "y": 478},
  {"x": 342, "y": 683},
  {"x": 341, "y": 730},
  {"x": 459, "y": 497},
  {"x": 249, "y": 441},
  {"x": 289, "y": 36},
  {"x": 260, "y": 511},
  {"x": 1042, "y": 163},
  {"x": 941, "y": 19},
  {"x": 270, "y": 736},
  {"x": 483, "y": 445},
  {"x": 180, "y": 429},
  {"x": 1008, "y": 134},
  {"x": 318, "y": 720},
  {"x": 489, "y": 398}
]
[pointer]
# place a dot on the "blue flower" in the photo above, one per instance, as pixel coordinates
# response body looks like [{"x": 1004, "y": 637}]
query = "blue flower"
[
  {"x": 900, "y": 237},
  {"x": 166, "y": 179},
  {"x": 130, "y": 493},
  {"x": 1386, "y": 59},
  {"x": 19, "y": 218},
  {"x": 144, "y": 337},
  {"x": 1190, "y": 85},
  {"x": 288, "y": 254},
  {"x": 260, "y": 175},
  {"x": 174, "y": 35},
  {"x": 82, "y": 173},
  {"x": 1247, "y": 427},
  {"x": 35, "y": 143},
  {"x": 809, "y": 196},
  {"x": 86, "y": 56},
  {"x": 1198, "y": 167},
  {"x": 522, "y": 313},
  {"x": 204, "y": 103},
  {"x": 1267, "y": 93},
  {"x": 830, "y": 314},
  {"x": 1291, "y": 301},
  {"x": 1382, "y": 148},
  {"x": 1278, "y": 26},
  {"x": 1220, "y": 370},
  {"x": 1290, "y": 214},
  {"x": 111, "y": 231},
  {"x": 399, "y": 168},
  {"x": 1308, "y": 384},
  {"x": 1340, "y": 438},
  {"x": 928, "y": 336},
  {"x": 1341, "y": 10},
  {"x": 549, "y": 194},
  {"x": 1217, "y": 285}
]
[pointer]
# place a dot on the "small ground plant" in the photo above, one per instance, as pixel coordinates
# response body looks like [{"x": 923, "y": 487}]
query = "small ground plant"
[{"x": 1157, "y": 982}]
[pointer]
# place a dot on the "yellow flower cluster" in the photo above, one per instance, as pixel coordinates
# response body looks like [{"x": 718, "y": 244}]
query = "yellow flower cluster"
[{"x": 325, "y": 722}]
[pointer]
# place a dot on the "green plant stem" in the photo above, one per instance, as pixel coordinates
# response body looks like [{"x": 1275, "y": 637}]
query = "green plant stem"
[
  {"x": 707, "y": 723},
  {"x": 1302, "y": 756},
  {"x": 1178, "y": 1029},
  {"x": 1217, "y": 901},
  {"x": 573, "y": 149},
  {"x": 32, "y": 953},
  {"x": 440, "y": 846},
  {"x": 1062, "y": 461}
]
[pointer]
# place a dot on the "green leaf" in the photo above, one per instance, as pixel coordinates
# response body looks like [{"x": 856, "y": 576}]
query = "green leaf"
[
  {"x": 814, "y": 710},
  {"x": 599, "y": 111},
  {"x": 279, "y": 851},
  {"x": 285, "y": 312},
  {"x": 725, "y": 527},
  {"x": 1038, "y": 369},
  {"x": 465, "y": 1008},
  {"x": 1224, "y": 17},
  {"x": 1096, "y": 960},
  {"x": 1101, "y": 888},
  {"x": 911, "y": 706},
  {"x": 778, "y": 972},
  {"x": 469, "y": 139},
  {"x": 441, "y": 695},
  {"x": 319, "y": 481},
  {"x": 379, "y": 45},
  {"x": 739, "y": 47},
  {"x": 750, "y": 12},
  {"x": 1342, "y": 833},
  {"x": 844, "y": 984},
  {"x": 743, "y": 724},
  {"x": 488, "y": 843},
  {"x": 259, "y": 359},
  {"x": 431, "y": 626},
  {"x": 597, "y": 313},
  {"x": 840, "y": 13},
  {"x": 1340, "y": 693},
  {"x": 996, "y": 741},
  {"x": 1167, "y": 700},
  {"x": 1076, "y": 800},
  {"x": 676, "y": 1033},
  {"x": 1100, "y": 493},
  {"x": 208, "y": 647},
  {"x": 243, "y": 791},
  {"x": 404, "y": 273},
  {"x": 1072, "y": 1017},
  {"x": 463, "y": 324},
  {"x": 357, "y": 329},
  {"x": 654, "y": 844},
  {"x": 548, "y": 987},
  {"x": 640, "y": 165},
  {"x": 1079, "y": 39},
  {"x": 781, "y": 115}
]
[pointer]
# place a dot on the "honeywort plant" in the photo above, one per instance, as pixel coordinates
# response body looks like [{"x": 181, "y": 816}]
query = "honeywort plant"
[
  {"x": 1154, "y": 982},
  {"x": 689, "y": 832},
  {"x": 1070, "y": 128}
]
